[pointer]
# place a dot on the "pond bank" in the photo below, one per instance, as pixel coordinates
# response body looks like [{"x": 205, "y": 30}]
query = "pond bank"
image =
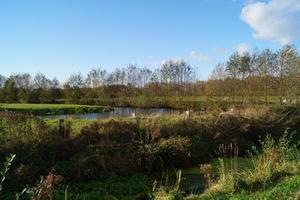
[{"x": 119, "y": 112}]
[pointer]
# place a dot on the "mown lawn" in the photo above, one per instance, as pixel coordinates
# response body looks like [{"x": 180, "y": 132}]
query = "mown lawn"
[{"x": 52, "y": 109}]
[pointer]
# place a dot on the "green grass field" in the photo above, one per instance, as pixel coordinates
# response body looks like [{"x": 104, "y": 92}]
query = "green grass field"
[
  {"x": 53, "y": 109},
  {"x": 190, "y": 102}
]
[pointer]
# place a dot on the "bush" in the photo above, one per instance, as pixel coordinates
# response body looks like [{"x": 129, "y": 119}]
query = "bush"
[{"x": 172, "y": 152}]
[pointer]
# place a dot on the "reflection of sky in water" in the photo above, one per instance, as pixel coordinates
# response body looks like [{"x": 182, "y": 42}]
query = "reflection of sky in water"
[{"x": 120, "y": 112}]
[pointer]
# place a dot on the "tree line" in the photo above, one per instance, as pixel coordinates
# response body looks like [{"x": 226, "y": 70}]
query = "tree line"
[
  {"x": 266, "y": 73},
  {"x": 130, "y": 81},
  {"x": 242, "y": 78}
]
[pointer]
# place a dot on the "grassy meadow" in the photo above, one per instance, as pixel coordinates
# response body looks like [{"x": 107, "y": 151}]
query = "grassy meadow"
[
  {"x": 52, "y": 109},
  {"x": 183, "y": 102}
]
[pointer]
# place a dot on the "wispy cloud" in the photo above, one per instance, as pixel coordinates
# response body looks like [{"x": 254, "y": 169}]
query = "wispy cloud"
[
  {"x": 220, "y": 50},
  {"x": 156, "y": 63},
  {"x": 199, "y": 57}
]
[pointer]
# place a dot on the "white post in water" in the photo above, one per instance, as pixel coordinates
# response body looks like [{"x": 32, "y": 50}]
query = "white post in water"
[
  {"x": 284, "y": 101},
  {"x": 186, "y": 114},
  {"x": 133, "y": 115}
]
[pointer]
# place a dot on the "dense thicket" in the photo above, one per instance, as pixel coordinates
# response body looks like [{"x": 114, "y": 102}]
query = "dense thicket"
[{"x": 243, "y": 78}]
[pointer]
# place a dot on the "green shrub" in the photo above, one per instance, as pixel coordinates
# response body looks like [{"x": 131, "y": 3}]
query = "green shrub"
[{"x": 172, "y": 152}]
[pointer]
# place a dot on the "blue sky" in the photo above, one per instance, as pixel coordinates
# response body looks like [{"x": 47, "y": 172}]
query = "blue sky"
[{"x": 60, "y": 37}]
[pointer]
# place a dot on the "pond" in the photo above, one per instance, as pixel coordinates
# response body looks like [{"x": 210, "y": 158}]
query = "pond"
[
  {"x": 193, "y": 181},
  {"x": 120, "y": 112}
]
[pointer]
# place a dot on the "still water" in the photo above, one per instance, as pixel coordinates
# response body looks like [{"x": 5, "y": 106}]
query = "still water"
[
  {"x": 193, "y": 181},
  {"x": 120, "y": 112}
]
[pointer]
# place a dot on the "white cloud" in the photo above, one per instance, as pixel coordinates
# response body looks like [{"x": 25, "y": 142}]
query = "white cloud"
[
  {"x": 276, "y": 20},
  {"x": 220, "y": 50},
  {"x": 242, "y": 48},
  {"x": 199, "y": 57},
  {"x": 157, "y": 63}
]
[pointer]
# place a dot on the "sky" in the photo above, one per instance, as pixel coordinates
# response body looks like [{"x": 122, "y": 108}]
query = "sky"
[{"x": 61, "y": 37}]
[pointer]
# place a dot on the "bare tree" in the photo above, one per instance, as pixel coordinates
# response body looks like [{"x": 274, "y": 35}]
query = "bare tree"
[
  {"x": 73, "y": 88},
  {"x": 287, "y": 72},
  {"x": 95, "y": 78},
  {"x": 2, "y": 80},
  {"x": 265, "y": 66},
  {"x": 232, "y": 69}
]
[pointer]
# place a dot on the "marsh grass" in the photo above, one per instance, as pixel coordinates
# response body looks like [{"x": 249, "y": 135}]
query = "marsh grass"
[
  {"x": 125, "y": 146},
  {"x": 20, "y": 127},
  {"x": 8, "y": 162},
  {"x": 227, "y": 171},
  {"x": 168, "y": 191},
  {"x": 272, "y": 160}
]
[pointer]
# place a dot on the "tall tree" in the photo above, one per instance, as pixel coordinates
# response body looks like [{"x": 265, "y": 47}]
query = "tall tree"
[
  {"x": 244, "y": 70},
  {"x": 54, "y": 91},
  {"x": 2, "y": 81},
  {"x": 10, "y": 91},
  {"x": 288, "y": 72},
  {"x": 265, "y": 66},
  {"x": 23, "y": 84},
  {"x": 232, "y": 69},
  {"x": 41, "y": 85},
  {"x": 73, "y": 88}
]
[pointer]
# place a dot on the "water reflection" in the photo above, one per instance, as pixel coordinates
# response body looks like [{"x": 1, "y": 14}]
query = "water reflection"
[{"x": 120, "y": 112}]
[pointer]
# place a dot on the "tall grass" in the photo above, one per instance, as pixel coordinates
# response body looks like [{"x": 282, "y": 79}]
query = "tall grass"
[
  {"x": 227, "y": 172},
  {"x": 3, "y": 172},
  {"x": 272, "y": 161},
  {"x": 274, "y": 157},
  {"x": 168, "y": 191}
]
